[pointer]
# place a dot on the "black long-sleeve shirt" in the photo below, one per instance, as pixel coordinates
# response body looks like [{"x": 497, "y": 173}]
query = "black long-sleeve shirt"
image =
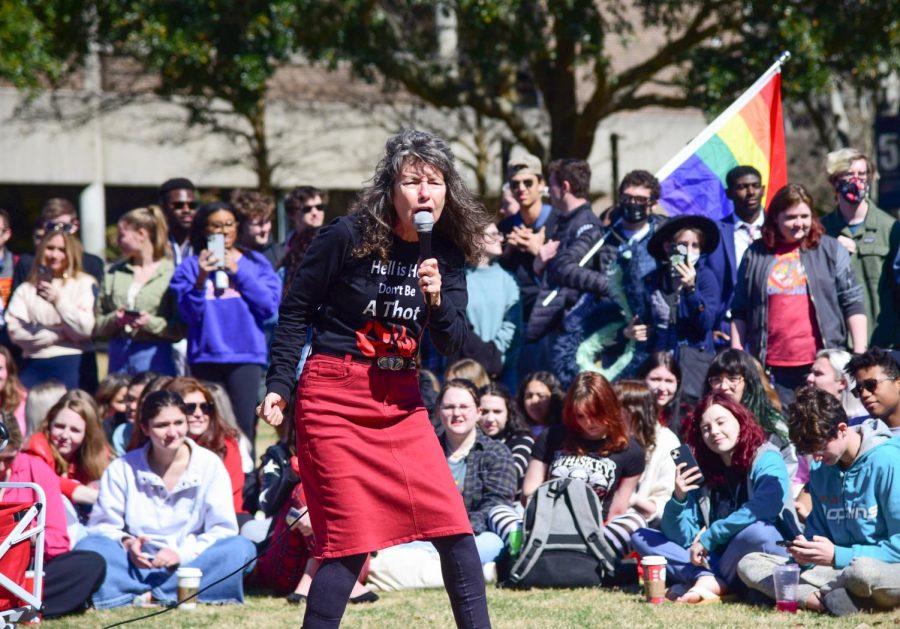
[{"x": 365, "y": 307}]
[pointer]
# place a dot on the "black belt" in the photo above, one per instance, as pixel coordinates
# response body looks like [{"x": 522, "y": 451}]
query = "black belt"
[{"x": 394, "y": 363}]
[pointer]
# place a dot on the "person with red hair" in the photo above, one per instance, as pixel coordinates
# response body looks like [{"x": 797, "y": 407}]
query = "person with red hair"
[
  {"x": 732, "y": 505},
  {"x": 593, "y": 444},
  {"x": 796, "y": 293}
]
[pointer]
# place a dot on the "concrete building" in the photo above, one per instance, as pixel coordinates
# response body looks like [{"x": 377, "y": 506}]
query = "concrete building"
[{"x": 327, "y": 128}]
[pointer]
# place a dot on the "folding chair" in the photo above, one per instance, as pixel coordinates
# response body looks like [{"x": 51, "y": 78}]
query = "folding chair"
[{"x": 22, "y": 526}]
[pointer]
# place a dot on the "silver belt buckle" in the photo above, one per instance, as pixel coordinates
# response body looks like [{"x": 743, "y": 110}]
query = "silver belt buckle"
[{"x": 391, "y": 363}]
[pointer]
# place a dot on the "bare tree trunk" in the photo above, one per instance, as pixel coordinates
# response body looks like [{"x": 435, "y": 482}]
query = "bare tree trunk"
[{"x": 260, "y": 148}]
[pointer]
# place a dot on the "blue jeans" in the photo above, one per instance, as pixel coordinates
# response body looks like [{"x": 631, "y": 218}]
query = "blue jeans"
[
  {"x": 124, "y": 581},
  {"x": 135, "y": 357},
  {"x": 489, "y": 546},
  {"x": 758, "y": 537}
]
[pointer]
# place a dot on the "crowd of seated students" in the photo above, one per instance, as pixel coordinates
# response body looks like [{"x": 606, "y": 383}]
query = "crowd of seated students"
[{"x": 782, "y": 417}]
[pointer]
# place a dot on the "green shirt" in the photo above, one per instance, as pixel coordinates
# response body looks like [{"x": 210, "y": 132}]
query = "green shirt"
[
  {"x": 154, "y": 298},
  {"x": 877, "y": 240}
]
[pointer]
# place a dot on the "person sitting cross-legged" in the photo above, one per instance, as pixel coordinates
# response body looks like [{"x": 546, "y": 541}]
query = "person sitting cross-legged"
[
  {"x": 850, "y": 550},
  {"x": 708, "y": 527},
  {"x": 165, "y": 505}
]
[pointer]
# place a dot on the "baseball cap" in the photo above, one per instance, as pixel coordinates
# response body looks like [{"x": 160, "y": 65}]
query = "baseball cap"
[{"x": 524, "y": 162}]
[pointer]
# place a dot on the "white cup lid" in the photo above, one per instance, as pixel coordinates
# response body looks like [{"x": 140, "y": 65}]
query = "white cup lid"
[
  {"x": 187, "y": 573},
  {"x": 653, "y": 560}
]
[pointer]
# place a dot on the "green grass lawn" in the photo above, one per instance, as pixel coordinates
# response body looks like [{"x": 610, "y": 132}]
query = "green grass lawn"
[{"x": 536, "y": 608}]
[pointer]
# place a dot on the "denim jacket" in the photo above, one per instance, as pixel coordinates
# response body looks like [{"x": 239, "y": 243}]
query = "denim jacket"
[{"x": 833, "y": 289}]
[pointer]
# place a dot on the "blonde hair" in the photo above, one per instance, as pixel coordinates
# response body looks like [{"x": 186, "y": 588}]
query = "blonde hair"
[
  {"x": 92, "y": 455},
  {"x": 41, "y": 399},
  {"x": 74, "y": 253},
  {"x": 468, "y": 369},
  {"x": 839, "y": 161},
  {"x": 153, "y": 221}
]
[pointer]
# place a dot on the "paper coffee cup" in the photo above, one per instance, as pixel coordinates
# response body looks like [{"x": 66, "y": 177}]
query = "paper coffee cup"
[
  {"x": 654, "y": 568},
  {"x": 188, "y": 585}
]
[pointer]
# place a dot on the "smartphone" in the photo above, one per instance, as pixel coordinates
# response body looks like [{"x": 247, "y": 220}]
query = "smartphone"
[
  {"x": 44, "y": 273},
  {"x": 216, "y": 245},
  {"x": 786, "y": 543},
  {"x": 678, "y": 257},
  {"x": 683, "y": 454},
  {"x": 133, "y": 313}
]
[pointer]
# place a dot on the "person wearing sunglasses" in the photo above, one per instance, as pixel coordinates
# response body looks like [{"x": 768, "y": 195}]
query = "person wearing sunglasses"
[
  {"x": 178, "y": 199},
  {"x": 57, "y": 215},
  {"x": 877, "y": 378},
  {"x": 870, "y": 235},
  {"x": 208, "y": 429},
  {"x": 305, "y": 206},
  {"x": 849, "y": 552},
  {"x": 525, "y": 233}
]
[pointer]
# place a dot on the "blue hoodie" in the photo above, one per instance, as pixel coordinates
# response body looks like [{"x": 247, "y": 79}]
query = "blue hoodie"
[
  {"x": 768, "y": 490},
  {"x": 227, "y": 326},
  {"x": 859, "y": 508}
]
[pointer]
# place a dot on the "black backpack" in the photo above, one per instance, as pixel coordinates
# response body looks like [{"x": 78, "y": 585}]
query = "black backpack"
[{"x": 563, "y": 542}]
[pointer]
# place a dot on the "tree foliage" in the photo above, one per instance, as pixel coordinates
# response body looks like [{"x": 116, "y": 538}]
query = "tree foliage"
[
  {"x": 698, "y": 53},
  {"x": 215, "y": 57}
]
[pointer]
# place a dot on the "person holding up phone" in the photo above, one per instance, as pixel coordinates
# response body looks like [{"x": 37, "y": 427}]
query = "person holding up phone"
[
  {"x": 136, "y": 310},
  {"x": 727, "y": 503},
  {"x": 51, "y": 316},
  {"x": 226, "y": 294},
  {"x": 681, "y": 298},
  {"x": 850, "y": 550}
]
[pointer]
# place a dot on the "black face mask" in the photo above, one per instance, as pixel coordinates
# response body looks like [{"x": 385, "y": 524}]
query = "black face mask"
[
  {"x": 634, "y": 212},
  {"x": 851, "y": 191}
]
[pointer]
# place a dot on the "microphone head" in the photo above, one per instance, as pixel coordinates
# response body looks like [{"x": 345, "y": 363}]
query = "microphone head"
[{"x": 424, "y": 221}]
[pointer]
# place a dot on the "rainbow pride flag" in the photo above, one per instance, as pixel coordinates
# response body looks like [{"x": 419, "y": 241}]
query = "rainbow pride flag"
[{"x": 749, "y": 133}]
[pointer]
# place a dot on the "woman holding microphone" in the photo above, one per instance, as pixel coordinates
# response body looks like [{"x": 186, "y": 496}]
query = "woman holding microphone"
[{"x": 372, "y": 468}]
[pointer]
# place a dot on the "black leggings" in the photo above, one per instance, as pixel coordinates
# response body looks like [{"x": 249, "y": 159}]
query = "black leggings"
[
  {"x": 460, "y": 567},
  {"x": 241, "y": 380}
]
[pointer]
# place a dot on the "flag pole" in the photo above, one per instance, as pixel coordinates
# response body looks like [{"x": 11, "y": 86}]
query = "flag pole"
[
  {"x": 716, "y": 125},
  {"x": 690, "y": 148}
]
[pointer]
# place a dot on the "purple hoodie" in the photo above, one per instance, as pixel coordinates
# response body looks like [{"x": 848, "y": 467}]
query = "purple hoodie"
[{"x": 227, "y": 326}]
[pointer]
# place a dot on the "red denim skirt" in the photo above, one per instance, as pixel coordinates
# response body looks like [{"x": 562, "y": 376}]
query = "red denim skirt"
[{"x": 372, "y": 469}]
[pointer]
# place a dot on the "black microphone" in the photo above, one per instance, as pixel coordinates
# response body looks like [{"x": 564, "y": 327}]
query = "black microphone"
[{"x": 424, "y": 222}]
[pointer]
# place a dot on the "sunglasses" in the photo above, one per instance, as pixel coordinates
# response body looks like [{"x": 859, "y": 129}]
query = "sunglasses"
[
  {"x": 191, "y": 205},
  {"x": 306, "y": 209},
  {"x": 870, "y": 384},
  {"x": 205, "y": 407},
  {"x": 630, "y": 198},
  {"x": 526, "y": 183},
  {"x": 65, "y": 228}
]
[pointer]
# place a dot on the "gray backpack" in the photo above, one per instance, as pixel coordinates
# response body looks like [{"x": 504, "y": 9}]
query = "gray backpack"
[{"x": 563, "y": 539}]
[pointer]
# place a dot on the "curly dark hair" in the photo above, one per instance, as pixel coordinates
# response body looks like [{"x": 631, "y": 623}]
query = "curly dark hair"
[
  {"x": 463, "y": 220},
  {"x": 643, "y": 179},
  {"x": 874, "y": 357},
  {"x": 813, "y": 418},
  {"x": 515, "y": 424},
  {"x": 252, "y": 204},
  {"x": 554, "y": 413}
]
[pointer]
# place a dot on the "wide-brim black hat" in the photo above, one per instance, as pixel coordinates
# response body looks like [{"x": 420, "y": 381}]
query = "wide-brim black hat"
[{"x": 667, "y": 231}]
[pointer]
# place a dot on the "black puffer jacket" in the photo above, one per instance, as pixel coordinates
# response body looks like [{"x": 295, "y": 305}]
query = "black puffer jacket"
[{"x": 569, "y": 229}]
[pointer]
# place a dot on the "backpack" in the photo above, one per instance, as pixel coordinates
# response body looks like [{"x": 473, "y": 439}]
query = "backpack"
[{"x": 563, "y": 539}]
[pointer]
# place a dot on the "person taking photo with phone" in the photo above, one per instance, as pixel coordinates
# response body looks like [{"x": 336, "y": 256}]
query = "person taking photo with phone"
[
  {"x": 681, "y": 298},
  {"x": 136, "y": 310},
  {"x": 850, "y": 549},
  {"x": 226, "y": 294},
  {"x": 731, "y": 489},
  {"x": 51, "y": 316}
]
